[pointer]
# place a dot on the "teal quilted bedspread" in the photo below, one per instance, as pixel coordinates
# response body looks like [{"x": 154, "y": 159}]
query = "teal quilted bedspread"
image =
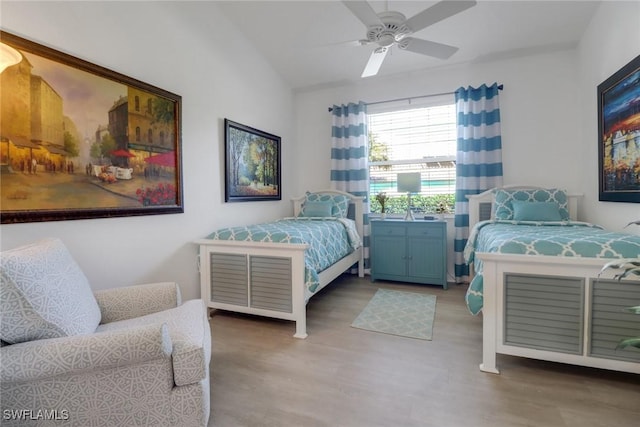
[
  {"x": 329, "y": 240},
  {"x": 566, "y": 239}
]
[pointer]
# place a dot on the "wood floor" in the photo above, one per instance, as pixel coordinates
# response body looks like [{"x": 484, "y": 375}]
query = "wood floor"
[{"x": 342, "y": 376}]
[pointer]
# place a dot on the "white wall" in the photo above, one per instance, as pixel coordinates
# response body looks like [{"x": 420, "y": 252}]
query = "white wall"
[
  {"x": 185, "y": 48},
  {"x": 538, "y": 111},
  {"x": 610, "y": 42}
]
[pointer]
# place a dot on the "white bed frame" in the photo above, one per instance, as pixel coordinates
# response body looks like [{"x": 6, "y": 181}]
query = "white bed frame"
[
  {"x": 294, "y": 252},
  {"x": 497, "y": 266}
]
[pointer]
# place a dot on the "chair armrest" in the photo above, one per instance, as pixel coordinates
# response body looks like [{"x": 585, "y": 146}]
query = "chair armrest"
[
  {"x": 43, "y": 359},
  {"x": 191, "y": 337},
  {"x": 135, "y": 301}
]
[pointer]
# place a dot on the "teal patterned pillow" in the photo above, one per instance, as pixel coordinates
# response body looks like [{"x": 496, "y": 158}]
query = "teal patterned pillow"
[
  {"x": 504, "y": 208},
  {"x": 536, "y": 211},
  {"x": 340, "y": 203}
]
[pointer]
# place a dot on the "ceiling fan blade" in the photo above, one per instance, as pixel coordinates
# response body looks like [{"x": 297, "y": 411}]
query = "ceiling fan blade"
[
  {"x": 353, "y": 43},
  {"x": 426, "y": 47},
  {"x": 348, "y": 43},
  {"x": 375, "y": 61},
  {"x": 437, "y": 13},
  {"x": 364, "y": 12}
]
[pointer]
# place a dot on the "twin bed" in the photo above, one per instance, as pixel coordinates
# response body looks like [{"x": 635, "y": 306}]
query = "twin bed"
[
  {"x": 273, "y": 269},
  {"x": 537, "y": 273},
  {"x": 537, "y": 281}
]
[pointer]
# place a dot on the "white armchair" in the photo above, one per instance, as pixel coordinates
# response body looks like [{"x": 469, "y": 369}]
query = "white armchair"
[{"x": 133, "y": 356}]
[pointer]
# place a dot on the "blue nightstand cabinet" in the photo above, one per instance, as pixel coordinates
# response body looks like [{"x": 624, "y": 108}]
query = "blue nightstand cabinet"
[{"x": 409, "y": 251}]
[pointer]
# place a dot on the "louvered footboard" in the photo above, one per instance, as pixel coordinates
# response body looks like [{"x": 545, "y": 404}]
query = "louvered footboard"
[
  {"x": 557, "y": 309},
  {"x": 265, "y": 279},
  {"x": 270, "y": 279}
]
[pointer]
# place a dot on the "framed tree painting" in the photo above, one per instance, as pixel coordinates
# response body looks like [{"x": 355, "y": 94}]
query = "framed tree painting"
[
  {"x": 619, "y": 135},
  {"x": 81, "y": 141},
  {"x": 252, "y": 170}
]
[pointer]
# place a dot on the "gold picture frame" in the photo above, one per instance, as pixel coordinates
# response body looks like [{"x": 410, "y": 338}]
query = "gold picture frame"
[{"x": 81, "y": 141}]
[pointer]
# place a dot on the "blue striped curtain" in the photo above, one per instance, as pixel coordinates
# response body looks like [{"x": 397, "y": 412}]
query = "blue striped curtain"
[
  {"x": 349, "y": 157},
  {"x": 478, "y": 158}
]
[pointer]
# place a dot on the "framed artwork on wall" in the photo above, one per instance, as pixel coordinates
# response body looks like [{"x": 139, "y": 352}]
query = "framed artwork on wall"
[
  {"x": 80, "y": 141},
  {"x": 619, "y": 135},
  {"x": 252, "y": 170}
]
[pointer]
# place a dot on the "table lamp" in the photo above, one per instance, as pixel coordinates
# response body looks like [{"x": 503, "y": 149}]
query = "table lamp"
[{"x": 409, "y": 183}]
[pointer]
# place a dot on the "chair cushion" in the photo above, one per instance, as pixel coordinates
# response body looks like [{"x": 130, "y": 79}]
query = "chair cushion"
[{"x": 44, "y": 294}]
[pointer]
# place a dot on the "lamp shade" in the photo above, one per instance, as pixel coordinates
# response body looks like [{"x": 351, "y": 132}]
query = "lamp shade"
[{"x": 409, "y": 182}]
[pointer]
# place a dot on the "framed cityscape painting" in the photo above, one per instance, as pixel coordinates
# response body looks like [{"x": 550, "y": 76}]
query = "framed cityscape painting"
[
  {"x": 80, "y": 141},
  {"x": 252, "y": 171},
  {"x": 619, "y": 135}
]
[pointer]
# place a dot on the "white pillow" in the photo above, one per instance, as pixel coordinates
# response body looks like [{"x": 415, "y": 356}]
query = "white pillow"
[{"x": 44, "y": 294}]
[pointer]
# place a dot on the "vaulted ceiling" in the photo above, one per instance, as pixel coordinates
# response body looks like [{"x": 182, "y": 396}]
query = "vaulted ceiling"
[{"x": 313, "y": 43}]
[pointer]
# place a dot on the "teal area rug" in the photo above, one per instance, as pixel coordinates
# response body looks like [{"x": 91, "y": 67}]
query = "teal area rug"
[{"x": 407, "y": 314}]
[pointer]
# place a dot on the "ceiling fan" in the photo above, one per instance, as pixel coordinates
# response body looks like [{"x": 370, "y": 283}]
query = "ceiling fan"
[{"x": 387, "y": 29}]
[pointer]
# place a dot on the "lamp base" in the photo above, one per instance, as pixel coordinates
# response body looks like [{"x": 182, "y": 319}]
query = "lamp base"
[{"x": 409, "y": 216}]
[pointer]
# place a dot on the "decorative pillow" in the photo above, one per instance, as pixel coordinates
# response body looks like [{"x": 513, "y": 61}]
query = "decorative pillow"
[
  {"x": 44, "y": 294},
  {"x": 316, "y": 209},
  {"x": 536, "y": 211},
  {"x": 504, "y": 198},
  {"x": 340, "y": 203}
]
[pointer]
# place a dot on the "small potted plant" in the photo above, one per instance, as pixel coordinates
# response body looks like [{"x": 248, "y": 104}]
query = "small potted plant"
[
  {"x": 442, "y": 208},
  {"x": 382, "y": 198}
]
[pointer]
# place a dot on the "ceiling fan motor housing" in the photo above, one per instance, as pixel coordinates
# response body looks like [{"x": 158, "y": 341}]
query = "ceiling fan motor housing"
[{"x": 393, "y": 30}]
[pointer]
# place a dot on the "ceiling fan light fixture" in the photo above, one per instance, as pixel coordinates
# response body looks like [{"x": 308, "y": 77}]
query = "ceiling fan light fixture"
[{"x": 386, "y": 40}]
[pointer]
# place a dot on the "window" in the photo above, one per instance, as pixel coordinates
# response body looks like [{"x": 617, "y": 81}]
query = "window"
[{"x": 413, "y": 137}]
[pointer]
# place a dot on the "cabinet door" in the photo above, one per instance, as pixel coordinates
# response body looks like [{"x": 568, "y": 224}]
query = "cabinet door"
[
  {"x": 389, "y": 257},
  {"x": 426, "y": 259}
]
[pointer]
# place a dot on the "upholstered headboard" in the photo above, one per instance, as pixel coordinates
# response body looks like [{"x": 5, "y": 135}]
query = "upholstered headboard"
[{"x": 481, "y": 206}]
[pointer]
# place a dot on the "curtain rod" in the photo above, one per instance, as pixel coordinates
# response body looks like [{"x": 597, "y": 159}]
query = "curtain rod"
[{"x": 330, "y": 109}]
